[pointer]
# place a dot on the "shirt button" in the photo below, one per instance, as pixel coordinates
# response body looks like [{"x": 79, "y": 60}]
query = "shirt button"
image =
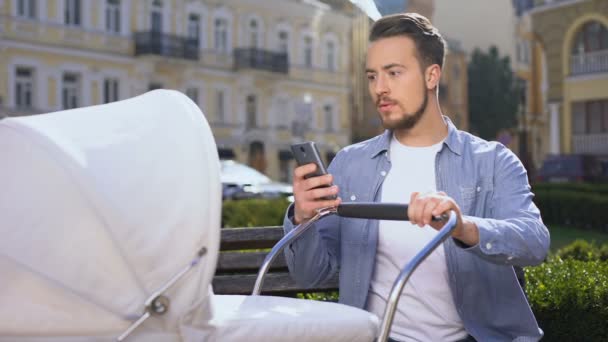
[
  {"x": 488, "y": 246},
  {"x": 383, "y": 173},
  {"x": 353, "y": 197},
  {"x": 478, "y": 189}
]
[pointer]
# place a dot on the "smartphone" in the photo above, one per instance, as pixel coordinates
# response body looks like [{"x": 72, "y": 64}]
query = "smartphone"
[{"x": 306, "y": 153}]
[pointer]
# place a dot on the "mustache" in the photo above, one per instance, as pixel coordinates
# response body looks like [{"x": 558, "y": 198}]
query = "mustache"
[{"x": 385, "y": 100}]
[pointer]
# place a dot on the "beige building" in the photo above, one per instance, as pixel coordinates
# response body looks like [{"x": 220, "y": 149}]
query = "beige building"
[
  {"x": 265, "y": 73},
  {"x": 573, "y": 36}
]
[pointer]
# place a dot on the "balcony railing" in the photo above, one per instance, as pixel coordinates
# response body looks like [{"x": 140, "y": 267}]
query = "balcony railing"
[
  {"x": 260, "y": 59},
  {"x": 168, "y": 45},
  {"x": 589, "y": 62},
  {"x": 590, "y": 143}
]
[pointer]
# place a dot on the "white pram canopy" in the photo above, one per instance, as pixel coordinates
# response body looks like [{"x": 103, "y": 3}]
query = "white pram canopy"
[{"x": 101, "y": 206}]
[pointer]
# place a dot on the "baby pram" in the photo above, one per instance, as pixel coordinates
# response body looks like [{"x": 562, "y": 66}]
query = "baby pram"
[{"x": 110, "y": 226}]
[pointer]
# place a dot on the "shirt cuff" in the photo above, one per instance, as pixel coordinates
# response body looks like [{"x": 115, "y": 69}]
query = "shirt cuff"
[{"x": 486, "y": 245}]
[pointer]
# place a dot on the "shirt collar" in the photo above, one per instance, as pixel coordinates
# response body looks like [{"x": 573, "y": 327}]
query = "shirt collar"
[{"x": 454, "y": 140}]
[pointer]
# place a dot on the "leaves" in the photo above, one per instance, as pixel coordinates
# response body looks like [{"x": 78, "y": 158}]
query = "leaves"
[{"x": 493, "y": 94}]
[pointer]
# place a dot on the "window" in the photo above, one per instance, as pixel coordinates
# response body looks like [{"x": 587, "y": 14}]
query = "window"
[
  {"x": 593, "y": 36},
  {"x": 523, "y": 51},
  {"x": 283, "y": 113},
  {"x": 331, "y": 55},
  {"x": 285, "y": 166},
  {"x": 328, "y": 113},
  {"x": 590, "y": 117},
  {"x": 283, "y": 45},
  {"x": 72, "y": 12},
  {"x": 156, "y": 17},
  {"x": 26, "y": 8},
  {"x": 113, "y": 16},
  {"x": 192, "y": 93},
  {"x": 251, "y": 111},
  {"x": 70, "y": 91},
  {"x": 308, "y": 52},
  {"x": 254, "y": 33},
  {"x": 194, "y": 26},
  {"x": 110, "y": 90},
  {"x": 220, "y": 105},
  {"x": 24, "y": 88},
  {"x": 221, "y": 34}
]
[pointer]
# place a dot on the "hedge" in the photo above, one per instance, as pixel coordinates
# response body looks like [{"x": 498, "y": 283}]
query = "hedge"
[
  {"x": 600, "y": 188},
  {"x": 254, "y": 212},
  {"x": 586, "y": 210},
  {"x": 584, "y": 251},
  {"x": 570, "y": 299}
]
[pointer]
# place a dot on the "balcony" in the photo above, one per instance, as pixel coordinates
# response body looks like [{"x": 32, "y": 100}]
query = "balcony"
[
  {"x": 254, "y": 58},
  {"x": 168, "y": 45},
  {"x": 596, "y": 144},
  {"x": 589, "y": 63}
]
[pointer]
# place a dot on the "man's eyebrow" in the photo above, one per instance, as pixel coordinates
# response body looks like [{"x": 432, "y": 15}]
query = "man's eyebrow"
[
  {"x": 386, "y": 67},
  {"x": 392, "y": 65}
]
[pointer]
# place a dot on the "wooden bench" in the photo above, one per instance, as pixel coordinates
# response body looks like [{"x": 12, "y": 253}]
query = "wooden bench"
[{"x": 239, "y": 261}]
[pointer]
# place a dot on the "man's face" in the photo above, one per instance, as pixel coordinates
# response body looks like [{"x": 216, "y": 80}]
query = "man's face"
[{"x": 396, "y": 82}]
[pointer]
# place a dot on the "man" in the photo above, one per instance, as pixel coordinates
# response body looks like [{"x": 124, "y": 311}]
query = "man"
[{"x": 467, "y": 288}]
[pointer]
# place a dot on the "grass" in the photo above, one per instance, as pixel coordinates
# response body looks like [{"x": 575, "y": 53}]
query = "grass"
[{"x": 562, "y": 236}]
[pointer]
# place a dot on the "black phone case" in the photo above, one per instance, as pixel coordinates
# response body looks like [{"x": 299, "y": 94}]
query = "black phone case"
[{"x": 306, "y": 153}]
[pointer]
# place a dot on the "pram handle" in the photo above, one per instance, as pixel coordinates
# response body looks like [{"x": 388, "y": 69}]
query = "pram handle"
[{"x": 378, "y": 211}]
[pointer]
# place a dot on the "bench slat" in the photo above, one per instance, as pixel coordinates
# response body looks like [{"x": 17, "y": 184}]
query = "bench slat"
[
  {"x": 273, "y": 283},
  {"x": 247, "y": 261},
  {"x": 250, "y": 238}
]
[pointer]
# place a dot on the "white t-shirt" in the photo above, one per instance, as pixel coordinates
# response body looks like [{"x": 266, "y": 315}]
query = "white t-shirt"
[{"x": 426, "y": 310}]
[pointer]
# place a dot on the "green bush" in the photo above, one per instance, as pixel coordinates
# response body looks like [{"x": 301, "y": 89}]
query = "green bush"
[
  {"x": 254, "y": 212},
  {"x": 576, "y": 187},
  {"x": 584, "y": 251},
  {"x": 331, "y": 296},
  {"x": 570, "y": 299},
  {"x": 581, "y": 209}
]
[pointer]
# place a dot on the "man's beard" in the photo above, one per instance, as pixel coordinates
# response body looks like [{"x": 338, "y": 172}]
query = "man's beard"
[{"x": 409, "y": 120}]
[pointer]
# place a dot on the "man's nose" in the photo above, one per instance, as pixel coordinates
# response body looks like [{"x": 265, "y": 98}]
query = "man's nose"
[{"x": 381, "y": 86}]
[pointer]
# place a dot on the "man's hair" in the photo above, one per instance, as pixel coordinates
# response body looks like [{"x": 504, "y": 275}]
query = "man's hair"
[{"x": 430, "y": 45}]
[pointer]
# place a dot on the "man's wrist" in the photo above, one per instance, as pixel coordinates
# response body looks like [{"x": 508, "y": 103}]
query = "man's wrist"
[{"x": 469, "y": 234}]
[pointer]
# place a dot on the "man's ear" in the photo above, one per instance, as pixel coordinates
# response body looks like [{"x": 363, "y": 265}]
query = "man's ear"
[{"x": 432, "y": 76}]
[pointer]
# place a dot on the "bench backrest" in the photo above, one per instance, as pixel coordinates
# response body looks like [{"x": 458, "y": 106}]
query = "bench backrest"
[{"x": 242, "y": 251}]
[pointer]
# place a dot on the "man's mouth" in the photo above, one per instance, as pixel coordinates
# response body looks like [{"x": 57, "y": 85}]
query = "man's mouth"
[{"x": 385, "y": 106}]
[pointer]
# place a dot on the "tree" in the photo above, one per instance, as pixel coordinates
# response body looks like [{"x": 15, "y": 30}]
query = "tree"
[{"x": 493, "y": 93}]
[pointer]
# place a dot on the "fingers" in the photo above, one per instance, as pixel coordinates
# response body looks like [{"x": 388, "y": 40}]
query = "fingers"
[
  {"x": 310, "y": 193},
  {"x": 422, "y": 208},
  {"x": 301, "y": 171}
]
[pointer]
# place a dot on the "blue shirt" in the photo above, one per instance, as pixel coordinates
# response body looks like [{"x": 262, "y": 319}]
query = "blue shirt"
[{"x": 490, "y": 185}]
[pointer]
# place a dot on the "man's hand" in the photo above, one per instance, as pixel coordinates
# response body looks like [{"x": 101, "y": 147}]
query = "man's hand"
[
  {"x": 308, "y": 193},
  {"x": 423, "y": 207}
]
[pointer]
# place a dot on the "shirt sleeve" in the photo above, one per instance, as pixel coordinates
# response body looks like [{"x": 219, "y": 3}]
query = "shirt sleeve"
[
  {"x": 515, "y": 233},
  {"x": 315, "y": 256}
]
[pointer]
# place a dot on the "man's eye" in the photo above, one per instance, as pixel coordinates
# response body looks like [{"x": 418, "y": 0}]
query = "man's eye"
[
  {"x": 371, "y": 77},
  {"x": 394, "y": 73}
]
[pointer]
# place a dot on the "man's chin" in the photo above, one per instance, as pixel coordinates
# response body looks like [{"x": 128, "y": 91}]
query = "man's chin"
[{"x": 403, "y": 123}]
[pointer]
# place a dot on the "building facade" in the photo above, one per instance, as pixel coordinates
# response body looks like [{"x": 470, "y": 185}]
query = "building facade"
[
  {"x": 265, "y": 73},
  {"x": 573, "y": 35}
]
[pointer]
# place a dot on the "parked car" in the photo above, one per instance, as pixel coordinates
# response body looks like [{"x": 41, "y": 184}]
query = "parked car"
[
  {"x": 240, "y": 181},
  {"x": 572, "y": 168}
]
